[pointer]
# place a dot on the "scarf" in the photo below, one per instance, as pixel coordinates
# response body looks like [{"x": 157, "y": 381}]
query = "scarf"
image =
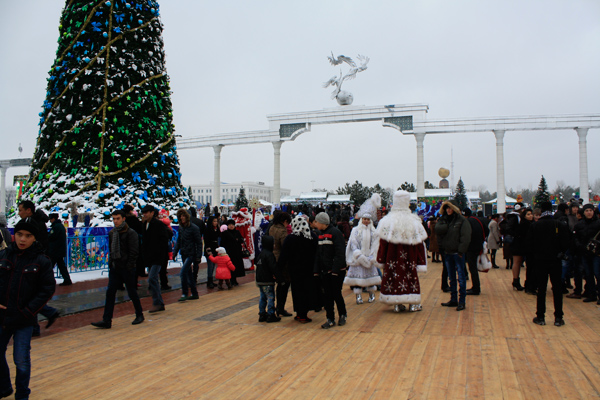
[
  {"x": 365, "y": 245},
  {"x": 300, "y": 227},
  {"x": 547, "y": 213},
  {"x": 115, "y": 248}
]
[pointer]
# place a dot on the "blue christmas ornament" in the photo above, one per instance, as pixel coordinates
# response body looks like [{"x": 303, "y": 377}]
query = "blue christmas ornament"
[
  {"x": 155, "y": 164},
  {"x": 140, "y": 21},
  {"x": 87, "y": 59},
  {"x": 121, "y": 180},
  {"x": 170, "y": 175},
  {"x": 107, "y": 4},
  {"x": 127, "y": 5},
  {"x": 105, "y": 34},
  {"x": 101, "y": 195},
  {"x": 107, "y": 213},
  {"x": 65, "y": 215}
]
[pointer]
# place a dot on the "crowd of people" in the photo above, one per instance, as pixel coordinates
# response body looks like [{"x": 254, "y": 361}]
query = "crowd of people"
[{"x": 313, "y": 251}]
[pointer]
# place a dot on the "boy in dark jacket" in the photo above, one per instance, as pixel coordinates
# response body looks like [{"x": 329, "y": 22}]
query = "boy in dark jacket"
[
  {"x": 330, "y": 264},
  {"x": 266, "y": 275},
  {"x": 26, "y": 284},
  {"x": 57, "y": 247}
]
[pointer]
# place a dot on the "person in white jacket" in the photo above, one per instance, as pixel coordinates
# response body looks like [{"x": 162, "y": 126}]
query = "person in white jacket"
[{"x": 361, "y": 252}]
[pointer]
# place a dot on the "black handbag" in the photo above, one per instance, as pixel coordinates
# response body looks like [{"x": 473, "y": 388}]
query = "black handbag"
[
  {"x": 245, "y": 251},
  {"x": 593, "y": 245}
]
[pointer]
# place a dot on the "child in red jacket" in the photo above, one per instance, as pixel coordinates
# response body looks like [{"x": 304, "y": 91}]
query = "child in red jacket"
[{"x": 224, "y": 268}]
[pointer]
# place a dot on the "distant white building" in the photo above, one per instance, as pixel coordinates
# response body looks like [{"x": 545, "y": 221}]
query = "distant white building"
[{"x": 230, "y": 192}]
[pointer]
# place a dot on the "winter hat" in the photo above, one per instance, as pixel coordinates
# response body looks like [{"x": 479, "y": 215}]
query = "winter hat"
[
  {"x": 53, "y": 216},
  {"x": 591, "y": 206},
  {"x": 221, "y": 250},
  {"x": 401, "y": 201},
  {"x": 467, "y": 212},
  {"x": 23, "y": 225},
  {"x": 322, "y": 218},
  {"x": 369, "y": 208},
  {"x": 546, "y": 206},
  {"x": 148, "y": 208},
  {"x": 518, "y": 206}
]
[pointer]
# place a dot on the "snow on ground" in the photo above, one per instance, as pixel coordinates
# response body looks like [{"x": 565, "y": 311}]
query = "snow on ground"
[{"x": 103, "y": 273}]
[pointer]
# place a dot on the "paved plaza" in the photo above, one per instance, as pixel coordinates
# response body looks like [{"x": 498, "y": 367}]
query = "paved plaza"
[{"x": 216, "y": 348}]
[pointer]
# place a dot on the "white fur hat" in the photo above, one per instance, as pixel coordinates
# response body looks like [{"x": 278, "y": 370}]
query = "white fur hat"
[
  {"x": 221, "y": 250},
  {"x": 369, "y": 208},
  {"x": 401, "y": 200}
]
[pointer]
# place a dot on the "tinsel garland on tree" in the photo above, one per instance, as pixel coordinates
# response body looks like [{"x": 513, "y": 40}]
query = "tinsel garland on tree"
[{"x": 106, "y": 134}]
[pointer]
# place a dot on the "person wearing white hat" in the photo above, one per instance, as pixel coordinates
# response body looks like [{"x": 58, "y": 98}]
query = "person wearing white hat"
[{"x": 361, "y": 252}]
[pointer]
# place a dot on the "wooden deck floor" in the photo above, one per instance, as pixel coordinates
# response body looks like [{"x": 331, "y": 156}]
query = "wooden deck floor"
[{"x": 215, "y": 348}]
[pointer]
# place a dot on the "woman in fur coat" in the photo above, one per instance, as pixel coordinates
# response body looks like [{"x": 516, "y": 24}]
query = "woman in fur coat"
[
  {"x": 361, "y": 252},
  {"x": 402, "y": 253}
]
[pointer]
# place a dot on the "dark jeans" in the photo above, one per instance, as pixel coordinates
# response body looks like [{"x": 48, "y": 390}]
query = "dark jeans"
[
  {"x": 154, "y": 286},
  {"x": 266, "y": 303},
  {"x": 210, "y": 270},
  {"x": 493, "y": 257},
  {"x": 591, "y": 267},
  {"x": 195, "y": 271},
  {"x": 552, "y": 268},
  {"x": 187, "y": 278},
  {"x": 164, "y": 278},
  {"x": 282, "y": 292},
  {"x": 62, "y": 267},
  {"x": 531, "y": 275},
  {"x": 456, "y": 265},
  {"x": 21, "y": 356},
  {"x": 444, "y": 272},
  {"x": 116, "y": 278},
  {"x": 472, "y": 262},
  {"x": 332, "y": 294}
]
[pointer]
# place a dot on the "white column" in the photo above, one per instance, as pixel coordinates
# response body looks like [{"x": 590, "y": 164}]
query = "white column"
[
  {"x": 216, "y": 197},
  {"x": 277, "y": 172},
  {"x": 500, "y": 185},
  {"x": 420, "y": 137},
  {"x": 2, "y": 190},
  {"x": 584, "y": 186}
]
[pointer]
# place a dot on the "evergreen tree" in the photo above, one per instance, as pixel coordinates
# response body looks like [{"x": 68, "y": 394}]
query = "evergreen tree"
[
  {"x": 429, "y": 185},
  {"x": 358, "y": 193},
  {"x": 409, "y": 187},
  {"x": 241, "y": 200},
  {"x": 542, "y": 193},
  {"x": 106, "y": 133},
  {"x": 461, "y": 195}
]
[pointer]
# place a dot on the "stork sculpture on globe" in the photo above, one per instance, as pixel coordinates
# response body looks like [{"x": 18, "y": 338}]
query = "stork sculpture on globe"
[{"x": 343, "y": 97}]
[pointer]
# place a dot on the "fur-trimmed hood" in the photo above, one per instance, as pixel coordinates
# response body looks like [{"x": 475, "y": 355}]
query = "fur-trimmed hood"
[{"x": 450, "y": 204}]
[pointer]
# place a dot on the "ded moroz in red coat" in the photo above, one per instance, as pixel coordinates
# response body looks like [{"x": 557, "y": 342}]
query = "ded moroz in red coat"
[
  {"x": 224, "y": 266},
  {"x": 401, "y": 253}
]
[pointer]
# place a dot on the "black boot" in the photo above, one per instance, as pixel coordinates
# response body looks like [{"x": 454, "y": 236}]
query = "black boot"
[{"x": 517, "y": 285}]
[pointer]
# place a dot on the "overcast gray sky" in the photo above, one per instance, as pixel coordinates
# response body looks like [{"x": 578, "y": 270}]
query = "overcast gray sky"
[{"x": 232, "y": 63}]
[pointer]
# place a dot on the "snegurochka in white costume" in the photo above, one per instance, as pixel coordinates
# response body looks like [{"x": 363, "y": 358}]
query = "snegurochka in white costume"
[
  {"x": 402, "y": 253},
  {"x": 361, "y": 251}
]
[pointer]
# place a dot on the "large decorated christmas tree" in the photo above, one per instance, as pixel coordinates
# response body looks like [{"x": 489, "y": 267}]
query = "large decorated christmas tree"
[{"x": 106, "y": 134}]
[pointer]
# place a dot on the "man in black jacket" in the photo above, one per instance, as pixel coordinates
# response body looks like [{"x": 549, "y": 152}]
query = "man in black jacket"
[
  {"x": 123, "y": 247},
  {"x": 200, "y": 224},
  {"x": 549, "y": 240},
  {"x": 57, "y": 247},
  {"x": 479, "y": 232},
  {"x": 26, "y": 285},
  {"x": 586, "y": 230},
  {"x": 155, "y": 246},
  {"x": 330, "y": 264}
]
